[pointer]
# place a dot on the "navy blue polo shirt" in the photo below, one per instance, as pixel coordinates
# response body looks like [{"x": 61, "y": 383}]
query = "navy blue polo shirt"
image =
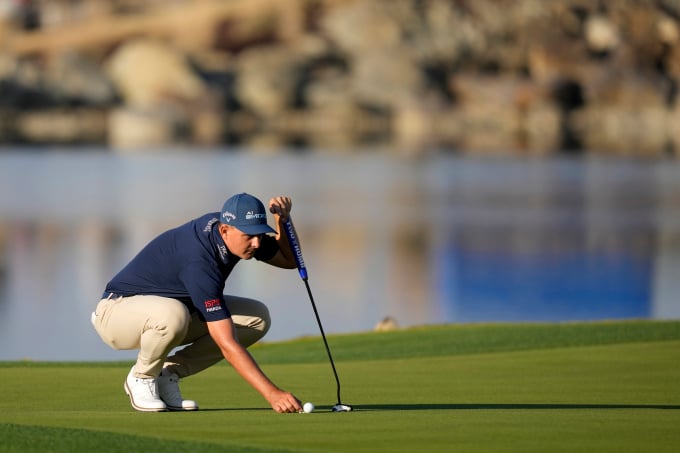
[{"x": 189, "y": 263}]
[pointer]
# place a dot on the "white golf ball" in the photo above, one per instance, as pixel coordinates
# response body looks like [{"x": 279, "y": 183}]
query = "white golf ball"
[{"x": 307, "y": 408}]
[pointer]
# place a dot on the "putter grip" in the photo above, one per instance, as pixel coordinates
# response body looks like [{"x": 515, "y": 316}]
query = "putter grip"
[{"x": 295, "y": 246}]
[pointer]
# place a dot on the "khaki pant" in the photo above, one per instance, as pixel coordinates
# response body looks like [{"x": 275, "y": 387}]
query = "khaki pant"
[{"x": 156, "y": 325}]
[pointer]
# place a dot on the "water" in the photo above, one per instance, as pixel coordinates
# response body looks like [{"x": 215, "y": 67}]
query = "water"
[{"x": 436, "y": 240}]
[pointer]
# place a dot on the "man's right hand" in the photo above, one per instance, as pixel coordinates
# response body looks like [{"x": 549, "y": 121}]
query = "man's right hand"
[{"x": 284, "y": 402}]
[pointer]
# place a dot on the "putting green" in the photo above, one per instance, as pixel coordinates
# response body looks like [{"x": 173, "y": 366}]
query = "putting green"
[{"x": 614, "y": 388}]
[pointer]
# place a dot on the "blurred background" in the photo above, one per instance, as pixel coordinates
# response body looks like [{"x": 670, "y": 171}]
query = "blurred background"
[{"x": 449, "y": 161}]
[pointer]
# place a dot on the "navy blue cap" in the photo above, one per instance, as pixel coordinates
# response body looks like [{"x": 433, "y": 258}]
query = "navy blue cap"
[{"x": 246, "y": 213}]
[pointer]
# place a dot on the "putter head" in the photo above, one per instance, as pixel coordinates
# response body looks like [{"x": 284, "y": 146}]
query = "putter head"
[{"x": 341, "y": 408}]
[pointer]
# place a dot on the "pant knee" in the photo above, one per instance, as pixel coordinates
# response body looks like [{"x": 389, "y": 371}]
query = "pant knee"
[
  {"x": 249, "y": 313},
  {"x": 251, "y": 319},
  {"x": 173, "y": 323},
  {"x": 261, "y": 318},
  {"x": 266, "y": 320}
]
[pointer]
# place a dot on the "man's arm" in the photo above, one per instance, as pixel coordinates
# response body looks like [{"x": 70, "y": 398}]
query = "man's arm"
[
  {"x": 224, "y": 334},
  {"x": 280, "y": 207}
]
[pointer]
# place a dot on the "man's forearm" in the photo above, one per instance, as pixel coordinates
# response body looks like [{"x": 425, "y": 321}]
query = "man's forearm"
[
  {"x": 245, "y": 365},
  {"x": 284, "y": 244},
  {"x": 224, "y": 335}
]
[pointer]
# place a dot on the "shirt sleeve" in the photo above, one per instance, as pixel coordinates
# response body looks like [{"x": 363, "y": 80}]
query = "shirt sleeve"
[{"x": 205, "y": 284}]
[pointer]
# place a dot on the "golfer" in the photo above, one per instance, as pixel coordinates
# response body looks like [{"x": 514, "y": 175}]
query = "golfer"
[{"x": 170, "y": 294}]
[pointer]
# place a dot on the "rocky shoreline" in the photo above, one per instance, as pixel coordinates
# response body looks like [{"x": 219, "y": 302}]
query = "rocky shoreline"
[{"x": 480, "y": 77}]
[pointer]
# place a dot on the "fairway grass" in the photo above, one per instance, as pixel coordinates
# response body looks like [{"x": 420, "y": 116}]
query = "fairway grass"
[{"x": 549, "y": 387}]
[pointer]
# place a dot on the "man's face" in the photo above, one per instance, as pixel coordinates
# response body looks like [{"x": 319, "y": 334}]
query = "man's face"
[{"x": 239, "y": 243}]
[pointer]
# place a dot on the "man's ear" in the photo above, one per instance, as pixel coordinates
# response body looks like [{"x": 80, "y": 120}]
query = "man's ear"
[{"x": 223, "y": 228}]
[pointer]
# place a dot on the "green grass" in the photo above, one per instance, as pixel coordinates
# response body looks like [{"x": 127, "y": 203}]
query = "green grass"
[{"x": 533, "y": 387}]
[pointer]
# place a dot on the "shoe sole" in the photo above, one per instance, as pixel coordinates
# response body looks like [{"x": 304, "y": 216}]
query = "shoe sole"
[
  {"x": 139, "y": 408},
  {"x": 182, "y": 409}
]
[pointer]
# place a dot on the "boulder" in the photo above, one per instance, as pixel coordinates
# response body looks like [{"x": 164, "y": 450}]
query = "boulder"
[
  {"x": 386, "y": 79},
  {"x": 132, "y": 129},
  {"x": 72, "y": 77},
  {"x": 357, "y": 27},
  {"x": 149, "y": 73},
  {"x": 506, "y": 113},
  {"x": 63, "y": 126},
  {"x": 632, "y": 131},
  {"x": 267, "y": 79}
]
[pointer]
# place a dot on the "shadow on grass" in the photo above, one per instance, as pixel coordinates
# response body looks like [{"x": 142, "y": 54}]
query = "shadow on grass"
[
  {"x": 509, "y": 406},
  {"x": 459, "y": 407},
  {"x": 232, "y": 409}
]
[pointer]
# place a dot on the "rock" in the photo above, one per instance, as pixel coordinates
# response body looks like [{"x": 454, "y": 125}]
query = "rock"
[
  {"x": 72, "y": 77},
  {"x": 414, "y": 128},
  {"x": 8, "y": 65},
  {"x": 490, "y": 128},
  {"x": 671, "y": 61},
  {"x": 542, "y": 128},
  {"x": 636, "y": 131},
  {"x": 629, "y": 91},
  {"x": 364, "y": 26},
  {"x": 668, "y": 31},
  {"x": 505, "y": 113},
  {"x": 267, "y": 79},
  {"x": 601, "y": 34},
  {"x": 207, "y": 127},
  {"x": 135, "y": 129},
  {"x": 62, "y": 126},
  {"x": 150, "y": 73},
  {"x": 550, "y": 63},
  {"x": 328, "y": 85},
  {"x": 672, "y": 121},
  {"x": 386, "y": 79},
  {"x": 445, "y": 35}
]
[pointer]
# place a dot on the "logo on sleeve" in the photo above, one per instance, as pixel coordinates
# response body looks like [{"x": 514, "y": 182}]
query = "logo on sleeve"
[{"x": 213, "y": 305}]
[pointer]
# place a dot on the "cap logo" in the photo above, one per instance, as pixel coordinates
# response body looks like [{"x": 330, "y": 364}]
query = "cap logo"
[
  {"x": 228, "y": 216},
  {"x": 250, "y": 215}
]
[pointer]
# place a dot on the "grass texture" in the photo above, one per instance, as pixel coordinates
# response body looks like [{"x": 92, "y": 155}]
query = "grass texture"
[{"x": 606, "y": 386}]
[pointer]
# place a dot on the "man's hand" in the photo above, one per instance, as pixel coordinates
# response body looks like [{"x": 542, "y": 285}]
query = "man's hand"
[
  {"x": 283, "y": 402},
  {"x": 281, "y": 206}
]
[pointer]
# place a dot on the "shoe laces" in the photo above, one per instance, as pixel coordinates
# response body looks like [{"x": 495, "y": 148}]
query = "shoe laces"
[{"x": 150, "y": 384}]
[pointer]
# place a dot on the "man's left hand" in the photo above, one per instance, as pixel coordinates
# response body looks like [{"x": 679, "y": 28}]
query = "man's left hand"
[{"x": 281, "y": 206}]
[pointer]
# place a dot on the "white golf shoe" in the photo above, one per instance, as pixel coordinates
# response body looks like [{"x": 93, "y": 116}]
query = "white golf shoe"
[
  {"x": 168, "y": 390},
  {"x": 143, "y": 393}
]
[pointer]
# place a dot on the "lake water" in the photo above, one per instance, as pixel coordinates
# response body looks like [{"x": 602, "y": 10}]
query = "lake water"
[{"x": 439, "y": 239}]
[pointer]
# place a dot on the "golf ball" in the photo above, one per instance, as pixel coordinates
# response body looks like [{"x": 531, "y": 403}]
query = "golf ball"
[{"x": 307, "y": 408}]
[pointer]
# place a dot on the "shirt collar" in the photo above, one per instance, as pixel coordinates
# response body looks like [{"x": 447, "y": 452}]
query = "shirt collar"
[{"x": 220, "y": 246}]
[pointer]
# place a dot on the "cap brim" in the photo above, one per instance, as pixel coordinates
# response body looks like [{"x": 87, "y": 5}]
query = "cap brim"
[{"x": 255, "y": 229}]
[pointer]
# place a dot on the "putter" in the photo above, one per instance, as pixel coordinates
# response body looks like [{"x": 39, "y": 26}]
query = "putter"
[{"x": 302, "y": 270}]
